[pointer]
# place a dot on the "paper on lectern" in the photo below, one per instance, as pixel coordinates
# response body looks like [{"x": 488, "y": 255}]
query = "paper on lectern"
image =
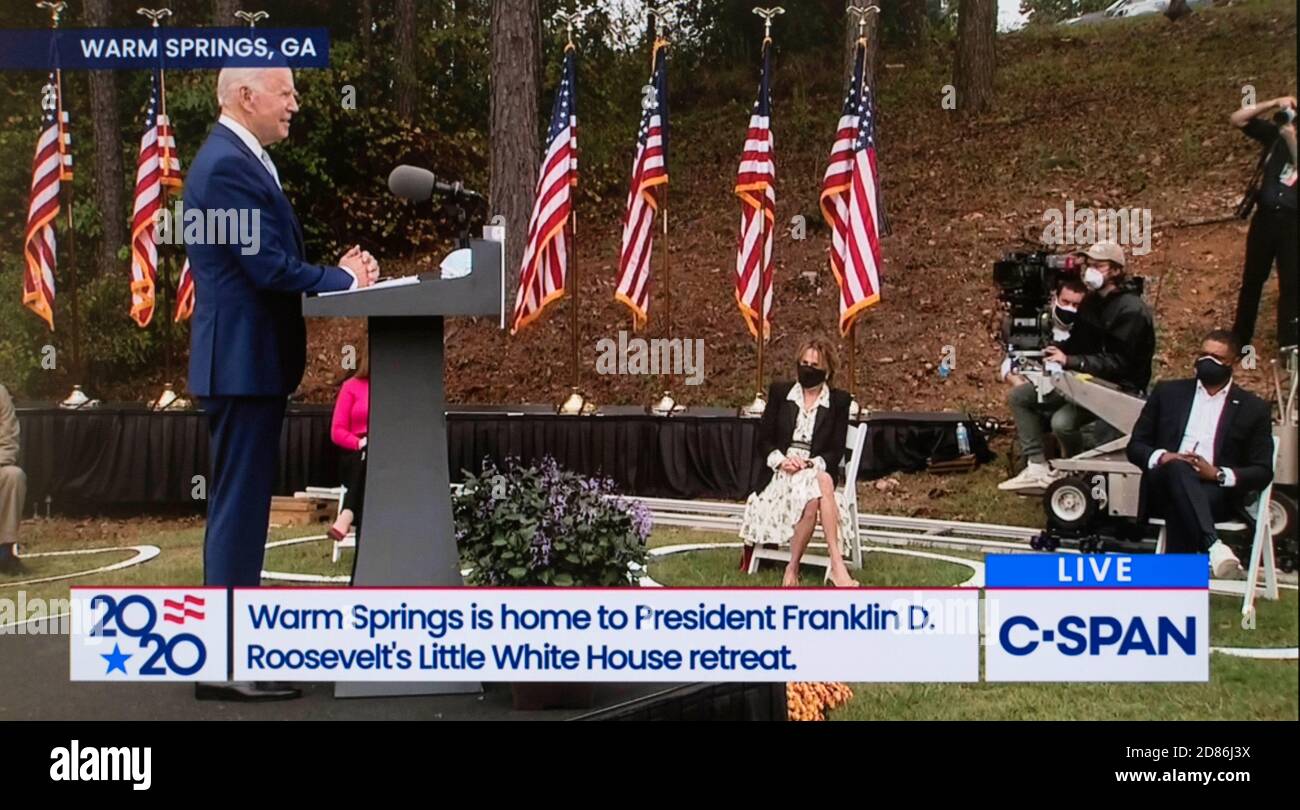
[{"x": 404, "y": 281}]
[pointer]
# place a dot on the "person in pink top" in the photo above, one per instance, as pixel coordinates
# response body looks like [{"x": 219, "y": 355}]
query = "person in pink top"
[{"x": 348, "y": 430}]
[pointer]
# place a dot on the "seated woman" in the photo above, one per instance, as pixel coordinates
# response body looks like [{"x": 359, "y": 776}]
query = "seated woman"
[
  {"x": 348, "y": 430},
  {"x": 802, "y": 436}
]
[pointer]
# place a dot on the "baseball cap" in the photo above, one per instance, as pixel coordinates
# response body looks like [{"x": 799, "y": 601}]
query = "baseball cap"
[{"x": 1106, "y": 252}]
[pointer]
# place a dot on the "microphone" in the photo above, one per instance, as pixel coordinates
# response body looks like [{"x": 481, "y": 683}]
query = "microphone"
[{"x": 416, "y": 184}]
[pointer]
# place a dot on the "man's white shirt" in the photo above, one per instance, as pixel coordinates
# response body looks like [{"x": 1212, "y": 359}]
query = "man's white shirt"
[{"x": 1202, "y": 425}]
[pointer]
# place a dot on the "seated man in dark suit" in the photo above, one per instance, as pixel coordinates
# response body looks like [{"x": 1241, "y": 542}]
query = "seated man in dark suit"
[
  {"x": 1204, "y": 443},
  {"x": 13, "y": 486}
]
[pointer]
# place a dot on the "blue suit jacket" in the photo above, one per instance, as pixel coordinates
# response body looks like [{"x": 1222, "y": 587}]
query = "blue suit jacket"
[{"x": 247, "y": 334}]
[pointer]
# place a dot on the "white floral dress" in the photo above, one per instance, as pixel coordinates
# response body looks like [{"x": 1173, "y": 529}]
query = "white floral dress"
[{"x": 770, "y": 515}]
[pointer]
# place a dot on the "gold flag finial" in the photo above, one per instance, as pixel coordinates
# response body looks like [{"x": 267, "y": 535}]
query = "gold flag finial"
[
  {"x": 155, "y": 15},
  {"x": 767, "y": 14},
  {"x": 56, "y": 11},
  {"x": 660, "y": 16},
  {"x": 252, "y": 17},
  {"x": 861, "y": 13},
  {"x": 568, "y": 20}
]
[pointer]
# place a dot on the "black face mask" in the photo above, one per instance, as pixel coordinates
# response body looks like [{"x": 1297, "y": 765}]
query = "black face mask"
[
  {"x": 1066, "y": 316},
  {"x": 811, "y": 376},
  {"x": 1212, "y": 373}
]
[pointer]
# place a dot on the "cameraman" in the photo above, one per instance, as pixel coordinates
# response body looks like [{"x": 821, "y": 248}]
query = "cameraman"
[
  {"x": 1272, "y": 234},
  {"x": 1065, "y": 304},
  {"x": 1114, "y": 338}
]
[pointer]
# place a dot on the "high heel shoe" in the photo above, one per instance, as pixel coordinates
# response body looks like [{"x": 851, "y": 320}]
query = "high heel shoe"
[
  {"x": 852, "y": 583},
  {"x": 335, "y": 535}
]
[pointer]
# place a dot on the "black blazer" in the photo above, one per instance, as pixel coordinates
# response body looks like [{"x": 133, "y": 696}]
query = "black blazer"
[
  {"x": 1243, "y": 441},
  {"x": 830, "y": 429}
]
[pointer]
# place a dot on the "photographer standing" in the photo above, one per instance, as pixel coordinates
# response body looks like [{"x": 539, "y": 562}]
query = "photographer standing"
[
  {"x": 1114, "y": 338},
  {"x": 1272, "y": 235}
]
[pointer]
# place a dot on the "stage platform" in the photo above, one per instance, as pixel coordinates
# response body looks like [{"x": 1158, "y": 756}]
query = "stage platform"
[
  {"x": 128, "y": 456},
  {"x": 34, "y": 685}
]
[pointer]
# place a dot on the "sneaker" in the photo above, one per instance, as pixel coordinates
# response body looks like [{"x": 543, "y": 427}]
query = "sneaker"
[
  {"x": 1224, "y": 563},
  {"x": 1036, "y": 475}
]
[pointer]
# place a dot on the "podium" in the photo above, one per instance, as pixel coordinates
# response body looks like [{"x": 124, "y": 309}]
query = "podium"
[{"x": 408, "y": 539}]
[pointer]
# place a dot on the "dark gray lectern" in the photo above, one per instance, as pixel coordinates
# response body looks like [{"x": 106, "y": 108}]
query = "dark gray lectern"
[{"x": 408, "y": 539}]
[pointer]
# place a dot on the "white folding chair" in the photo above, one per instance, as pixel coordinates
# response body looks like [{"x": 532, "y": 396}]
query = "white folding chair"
[
  {"x": 1261, "y": 549},
  {"x": 851, "y": 545},
  {"x": 336, "y": 493}
]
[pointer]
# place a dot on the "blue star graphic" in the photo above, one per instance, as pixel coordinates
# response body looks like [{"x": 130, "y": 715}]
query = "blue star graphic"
[{"x": 116, "y": 660}]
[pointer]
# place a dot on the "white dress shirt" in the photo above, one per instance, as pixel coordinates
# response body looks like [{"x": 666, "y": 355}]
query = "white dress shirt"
[
  {"x": 255, "y": 146},
  {"x": 1202, "y": 427},
  {"x": 805, "y": 420}
]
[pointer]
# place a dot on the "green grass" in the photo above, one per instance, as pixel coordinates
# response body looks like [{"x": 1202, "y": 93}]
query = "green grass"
[
  {"x": 720, "y": 569},
  {"x": 1238, "y": 689},
  {"x": 180, "y": 563}
]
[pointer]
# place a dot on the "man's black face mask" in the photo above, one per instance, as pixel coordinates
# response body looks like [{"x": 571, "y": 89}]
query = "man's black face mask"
[{"x": 1211, "y": 372}]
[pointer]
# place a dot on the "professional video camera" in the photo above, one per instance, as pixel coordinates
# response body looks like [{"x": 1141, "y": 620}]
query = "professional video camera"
[{"x": 1026, "y": 282}]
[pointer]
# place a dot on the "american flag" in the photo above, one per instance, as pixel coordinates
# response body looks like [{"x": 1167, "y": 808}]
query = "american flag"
[
  {"x": 756, "y": 187},
  {"x": 184, "y": 294},
  {"x": 50, "y": 167},
  {"x": 648, "y": 173},
  {"x": 157, "y": 168},
  {"x": 546, "y": 255},
  {"x": 851, "y": 202}
]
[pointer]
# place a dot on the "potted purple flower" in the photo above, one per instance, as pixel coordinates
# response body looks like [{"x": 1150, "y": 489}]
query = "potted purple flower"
[{"x": 537, "y": 525}]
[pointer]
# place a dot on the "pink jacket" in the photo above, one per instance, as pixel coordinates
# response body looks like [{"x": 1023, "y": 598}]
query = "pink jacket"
[{"x": 351, "y": 414}]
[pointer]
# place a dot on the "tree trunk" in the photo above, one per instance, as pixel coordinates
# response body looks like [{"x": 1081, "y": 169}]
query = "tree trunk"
[
  {"x": 872, "y": 34},
  {"x": 108, "y": 172},
  {"x": 915, "y": 23},
  {"x": 973, "y": 69},
  {"x": 514, "y": 142},
  {"x": 1177, "y": 10},
  {"x": 407, "y": 83},
  {"x": 223, "y": 13},
  {"x": 367, "y": 21}
]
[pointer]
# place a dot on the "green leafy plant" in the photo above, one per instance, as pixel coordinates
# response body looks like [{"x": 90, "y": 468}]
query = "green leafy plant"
[{"x": 541, "y": 525}]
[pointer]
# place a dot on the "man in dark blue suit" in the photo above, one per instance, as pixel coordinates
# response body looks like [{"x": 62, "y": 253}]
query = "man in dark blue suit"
[
  {"x": 248, "y": 340},
  {"x": 1203, "y": 444}
]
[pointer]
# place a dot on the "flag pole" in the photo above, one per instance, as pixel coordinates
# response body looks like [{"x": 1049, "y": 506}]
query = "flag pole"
[
  {"x": 661, "y": 20},
  {"x": 572, "y": 284},
  {"x": 762, "y": 253},
  {"x": 577, "y": 403},
  {"x": 759, "y": 403},
  {"x": 78, "y": 372},
  {"x": 73, "y": 281},
  {"x": 667, "y": 403},
  {"x": 163, "y": 281},
  {"x": 861, "y": 14}
]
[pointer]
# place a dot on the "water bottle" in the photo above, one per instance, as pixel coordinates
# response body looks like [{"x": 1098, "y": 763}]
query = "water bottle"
[{"x": 963, "y": 439}]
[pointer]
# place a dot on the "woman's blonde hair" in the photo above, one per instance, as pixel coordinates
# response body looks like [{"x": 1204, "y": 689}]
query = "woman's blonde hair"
[{"x": 824, "y": 349}]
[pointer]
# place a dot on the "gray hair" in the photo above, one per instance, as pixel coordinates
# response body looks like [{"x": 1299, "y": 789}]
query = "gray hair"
[{"x": 229, "y": 80}]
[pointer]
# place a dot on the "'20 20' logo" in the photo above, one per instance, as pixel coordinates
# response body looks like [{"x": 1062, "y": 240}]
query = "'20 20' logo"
[{"x": 136, "y": 617}]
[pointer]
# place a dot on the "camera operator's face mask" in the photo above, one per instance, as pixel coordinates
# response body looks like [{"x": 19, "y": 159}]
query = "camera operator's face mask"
[
  {"x": 1094, "y": 278},
  {"x": 1065, "y": 314}
]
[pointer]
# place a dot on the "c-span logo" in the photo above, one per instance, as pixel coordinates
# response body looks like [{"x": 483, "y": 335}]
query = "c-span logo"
[
  {"x": 149, "y": 634},
  {"x": 1068, "y": 617}
]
